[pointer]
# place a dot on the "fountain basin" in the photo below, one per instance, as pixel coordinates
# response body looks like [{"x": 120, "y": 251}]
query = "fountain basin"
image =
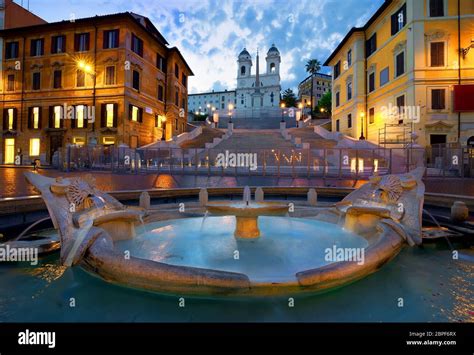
[{"x": 246, "y": 215}]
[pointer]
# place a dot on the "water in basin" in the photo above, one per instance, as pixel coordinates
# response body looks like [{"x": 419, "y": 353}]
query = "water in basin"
[{"x": 286, "y": 246}]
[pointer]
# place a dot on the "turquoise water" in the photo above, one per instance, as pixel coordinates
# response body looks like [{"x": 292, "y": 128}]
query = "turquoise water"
[
  {"x": 285, "y": 246},
  {"x": 434, "y": 288}
]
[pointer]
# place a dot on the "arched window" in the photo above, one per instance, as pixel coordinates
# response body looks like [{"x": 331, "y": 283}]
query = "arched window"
[
  {"x": 272, "y": 67},
  {"x": 242, "y": 70},
  {"x": 272, "y": 96}
]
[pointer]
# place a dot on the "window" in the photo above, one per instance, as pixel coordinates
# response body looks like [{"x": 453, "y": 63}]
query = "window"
[
  {"x": 337, "y": 70},
  {"x": 37, "y": 47},
  {"x": 436, "y": 8},
  {"x": 371, "y": 82},
  {"x": 58, "y": 44},
  {"x": 338, "y": 97},
  {"x": 438, "y": 99},
  {"x": 161, "y": 63},
  {"x": 176, "y": 124},
  {"x": 34, "y": 147},
  {"x": 55, "y": 117},
  {"x": 108, "y": 140},
  {"x": 134, "y": 113},
  {"x": 401, "y": 108},
  {"x": 338, "y": 126},
  {"x": 137, "y": 45},
  {"x": 34, "y": 118},
  {"x": 11, "y": 82},
  {"x": 372, "y": 115},
  {"x": 349, "y": 91},
  {"x": 371, "y": 45},
  {"x": 9, "y": 119},
  {"x": 437, "y": 54},
  {"x": 79, "y": 141},
  {"x": 81, "y": 42},
  {"x": 349, "y": 58},
  {"x": 400, "y": 64},
  {"x": 136, "y": 80},
  {"x": 57, "y": 79},
  {"x": 184, "y": 79},
  {"x": 80, "y": 78},
  {"x": 161, "y": 93},
  {"x": 384, "y": 76},
  {"x": 349, "y": 121},
  {"x": 11, "y": 50},
  {"x": 242, "y": 70},
  {"x": 272, "y": 68},
  {"x": 79, "y": 121},
  {"x": 399, "y": 19},
  {"x": 176, "y": 71},
  {"x": 36, "y": 81},
  {"x": 111, "y": 39},
  {"x": 109, "y": 115},
  {"x": 110, "y": 75},
  {"x": 176, "y": 98}
]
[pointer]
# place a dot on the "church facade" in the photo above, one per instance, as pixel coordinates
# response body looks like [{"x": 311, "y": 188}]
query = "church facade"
[{"x": 257, "y": 94}]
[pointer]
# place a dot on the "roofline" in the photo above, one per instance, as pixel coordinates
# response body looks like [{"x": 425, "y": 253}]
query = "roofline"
[
  {"x": 309, "y": 77},
  {"x": 85, "y": 20},
  {"x": 353, "y": 30},
  {"x": 214, "y": 92},
  {"x": 175, "y": 49}
]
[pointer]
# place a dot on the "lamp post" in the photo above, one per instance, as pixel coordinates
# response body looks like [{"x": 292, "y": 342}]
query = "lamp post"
[
  {"x": 362, "y": 115},
  {"x": 282, "y": 105},
  {"x": 88, "y": 69},
  {"x": 231, "y": 111},
  {"x": 300, "y": 118}
]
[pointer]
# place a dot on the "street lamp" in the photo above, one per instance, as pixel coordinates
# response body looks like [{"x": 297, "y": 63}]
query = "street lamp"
[
  {"x": 282, "y": 111},
  {"x": 231, "y": 111},
  {"x": 362, "y": 115},
  {"x": 300, "y": 118}
]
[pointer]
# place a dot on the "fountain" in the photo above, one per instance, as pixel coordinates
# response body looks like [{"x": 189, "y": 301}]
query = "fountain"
[
  {"x": 170, "y": 254},
  {"x": 246, "y": 214}
]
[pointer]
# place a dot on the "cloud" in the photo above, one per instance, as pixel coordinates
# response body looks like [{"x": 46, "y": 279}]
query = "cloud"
[{"x": 211, "y": 33}]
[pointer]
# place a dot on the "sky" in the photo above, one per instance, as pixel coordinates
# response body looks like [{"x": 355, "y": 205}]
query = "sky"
[{"x": 211, "y": 33}]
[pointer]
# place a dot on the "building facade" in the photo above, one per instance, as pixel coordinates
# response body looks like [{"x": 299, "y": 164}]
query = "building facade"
[
  {"x": 321, "y": 86},
  {"x": 107, "y": 80},
  {"x": 257, "y": 94},
  {"x": 407, "y": 75},
  {"x": 202, "y": 104}
]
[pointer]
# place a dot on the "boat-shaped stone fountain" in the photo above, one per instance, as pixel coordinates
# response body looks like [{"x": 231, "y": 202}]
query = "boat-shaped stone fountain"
[{"x": 286, "y": 256}]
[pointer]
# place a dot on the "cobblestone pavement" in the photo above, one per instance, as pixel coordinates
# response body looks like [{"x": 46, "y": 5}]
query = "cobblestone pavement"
[{"x": 13, "y": 183}]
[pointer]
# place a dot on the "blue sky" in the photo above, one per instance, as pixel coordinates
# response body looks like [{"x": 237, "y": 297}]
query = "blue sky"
[{"x": 211, "y": 33}]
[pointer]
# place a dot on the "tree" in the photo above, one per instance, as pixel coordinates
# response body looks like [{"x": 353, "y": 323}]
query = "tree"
[
  {"x": 312, "y": 67},
  {"x": 289, "y": 98},
  {"x": 325, "y": 102}
]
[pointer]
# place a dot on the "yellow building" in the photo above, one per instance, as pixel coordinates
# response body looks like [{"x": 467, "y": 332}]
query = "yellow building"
[{"x": 400, "y": 74}]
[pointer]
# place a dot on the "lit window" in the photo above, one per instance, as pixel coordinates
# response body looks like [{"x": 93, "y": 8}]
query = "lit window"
[
  {"x": 108, "y": 140},
  {"x": 10, "y": 118},
  {"x": 34, "y": 147},
  {"x": 57, "y": 116},
  {"x": 134, "y": 113},
  {"x": 109, "y": 115},
  {"x": 80, "y": 116},
  {"x": 36, "y": 117},
  {"x": 79, "y": 140}
]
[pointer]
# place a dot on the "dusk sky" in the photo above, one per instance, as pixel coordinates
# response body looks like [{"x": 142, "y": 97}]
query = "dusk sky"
[{"x": 211, "y": 33}]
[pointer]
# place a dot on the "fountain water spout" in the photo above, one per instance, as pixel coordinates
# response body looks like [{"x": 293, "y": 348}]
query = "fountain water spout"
[{"x": 247, "y": 195}]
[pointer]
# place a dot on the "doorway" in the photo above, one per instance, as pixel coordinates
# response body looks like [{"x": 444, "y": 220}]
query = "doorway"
[
  {"x": 9, "y": 150},
  {"x": 55, "y": 143}
]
